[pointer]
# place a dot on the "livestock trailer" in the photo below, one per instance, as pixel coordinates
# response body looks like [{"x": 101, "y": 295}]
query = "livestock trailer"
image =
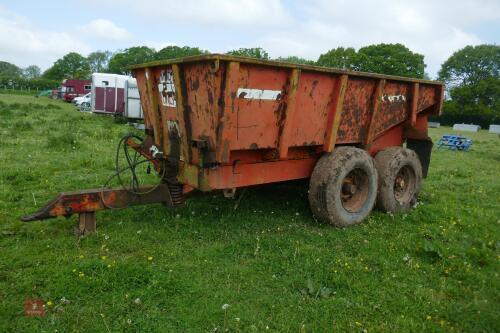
[
  {"x": 115, "y": 94},
  {"x": 220, "y": 122},
  {"x": 72, "y": 88}
]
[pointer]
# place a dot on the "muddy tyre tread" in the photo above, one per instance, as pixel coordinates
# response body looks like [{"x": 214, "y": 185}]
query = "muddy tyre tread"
[
  {"x": 326, "y": 181},
  {"x": 388, "y": 162}
]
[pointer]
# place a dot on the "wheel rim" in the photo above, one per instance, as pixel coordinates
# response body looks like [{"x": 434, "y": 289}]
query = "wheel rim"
[
  {"x": 354, "y": 191},
  {"x": 404, "y": 185}
]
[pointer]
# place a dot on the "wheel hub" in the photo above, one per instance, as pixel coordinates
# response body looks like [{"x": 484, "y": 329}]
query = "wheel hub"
[
  {"x": 403, "y": 187},
  {"x": 348, "y": 188},
  {"x": 354, "y": 190}
]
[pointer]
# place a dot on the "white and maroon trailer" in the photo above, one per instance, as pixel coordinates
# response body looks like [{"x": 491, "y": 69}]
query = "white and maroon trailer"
[{"x": 115, "y": 94}]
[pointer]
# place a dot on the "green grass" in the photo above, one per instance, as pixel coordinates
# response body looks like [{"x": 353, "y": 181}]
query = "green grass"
[{"x": 434, "y": 269}]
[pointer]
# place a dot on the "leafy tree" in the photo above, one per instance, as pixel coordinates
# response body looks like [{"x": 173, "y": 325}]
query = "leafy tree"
[
  {"x": 344, "y": 58},
  {"x": 32, "y": 72},
  {"x": 391, "y": 59},
  {"x": 485, "y": 93},
  {"x": 120, "y": 61},
  {"x": 172, "y": 52},
  {"x": 71, "y": 66},
  {"x": 21, "y": 82},
  {"x": 474, "y": 103},
  {"x": 296, "y": 60},
  {"x": 471, "y": 65},
  {"x": 473, "y": 82},
  {"x": 9, "y": 70},
  {"x": 255, "y": 52},
  {"x": 98, "y": 61}
]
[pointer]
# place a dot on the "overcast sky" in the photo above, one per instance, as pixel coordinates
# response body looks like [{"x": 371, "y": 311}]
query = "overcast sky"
[{"x": 40, "y": 32}]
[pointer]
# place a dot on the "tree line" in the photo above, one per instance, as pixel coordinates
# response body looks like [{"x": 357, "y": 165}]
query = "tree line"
[{"x": 471, "y": 74}]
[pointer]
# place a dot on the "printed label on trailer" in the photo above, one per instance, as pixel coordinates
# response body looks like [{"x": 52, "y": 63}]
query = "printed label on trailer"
[
  {"x": 167, "y": 88},
  {"x": 265, "y": 94},
  {"x": 394, "y": 98}
]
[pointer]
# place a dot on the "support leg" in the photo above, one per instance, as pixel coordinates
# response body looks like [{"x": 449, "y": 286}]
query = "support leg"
[{"x": 86, "y": 223}]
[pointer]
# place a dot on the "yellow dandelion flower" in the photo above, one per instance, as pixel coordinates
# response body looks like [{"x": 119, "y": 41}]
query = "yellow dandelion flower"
[
  {"x": 81, "y": 256},
  {"x": 150, "y": 258},
  {"x": 428, "y": 318},
  {"x": 49, "y": 303}
]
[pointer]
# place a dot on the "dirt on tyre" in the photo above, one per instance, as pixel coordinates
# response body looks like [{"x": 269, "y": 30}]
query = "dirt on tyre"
[
  {"x": 343, "y": 187},
  {"x": 400, "y": 177}
]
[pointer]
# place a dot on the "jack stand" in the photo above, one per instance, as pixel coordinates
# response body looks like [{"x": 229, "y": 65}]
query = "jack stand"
[{"x": 86, "y": 223}]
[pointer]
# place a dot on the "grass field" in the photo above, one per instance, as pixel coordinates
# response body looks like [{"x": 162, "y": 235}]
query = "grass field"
[{"x": 149, "y": 269}]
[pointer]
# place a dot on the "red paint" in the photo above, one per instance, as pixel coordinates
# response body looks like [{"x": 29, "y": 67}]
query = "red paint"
[{"x": 255, "y": 140}]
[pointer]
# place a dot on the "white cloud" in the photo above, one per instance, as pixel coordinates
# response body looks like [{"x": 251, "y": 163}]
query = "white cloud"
[
  {"x": 310, "y": 27},
  {"x": 157, "y": 45},
  {"x": 304, "y": 28},
  {"x": 434, "y": 28},
  {"x": 257, "y": 14},
  {"x": 105, "y": 30},
  {"x": 24, "y": 44}
]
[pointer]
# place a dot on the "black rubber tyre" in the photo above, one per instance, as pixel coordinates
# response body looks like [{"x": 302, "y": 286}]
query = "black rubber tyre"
[
  {"x": 400, "y": 177},
  {"x": 85, "y": 107},
  {"x": 343, "y": 187}
]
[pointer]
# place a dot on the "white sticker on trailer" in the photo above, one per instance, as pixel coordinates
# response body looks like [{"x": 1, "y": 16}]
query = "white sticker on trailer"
[
  {"x": 265, "y": 94},
  {"x": 167, "y": 88}
]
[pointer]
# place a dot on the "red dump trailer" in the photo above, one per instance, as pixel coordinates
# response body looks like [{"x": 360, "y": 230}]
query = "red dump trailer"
[{"x": 219, "y": 122}]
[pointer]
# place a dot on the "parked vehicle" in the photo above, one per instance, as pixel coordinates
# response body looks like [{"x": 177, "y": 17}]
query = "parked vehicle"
[
  {"x": 80, "y": 99},
  {"x": 56, "y": 93},
  {"x": 73, "y": 88},
  {"x": 220, "y": 122},
  {"x": 115, "y": 94}
]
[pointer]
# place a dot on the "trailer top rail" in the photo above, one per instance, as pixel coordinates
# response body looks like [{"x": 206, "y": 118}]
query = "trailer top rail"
[{"x": 275, "y": 63}]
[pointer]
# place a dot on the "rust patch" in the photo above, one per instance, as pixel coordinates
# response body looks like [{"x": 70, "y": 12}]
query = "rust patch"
[
  {"x": 313, "y": 88},
  {"x": 280, "y": 112},
  {"x": 225, "y": 150},
  {"x": 210, "y": 98},
  {"x": 195, "y": 84},
  {"x": 187, "y": 114},
  {"x": 221, "y": 104}
]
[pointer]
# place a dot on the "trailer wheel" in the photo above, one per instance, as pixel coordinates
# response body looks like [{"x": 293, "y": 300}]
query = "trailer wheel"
[
  {"x": 400, "y": 177},
  {"x": 343, "y": 187}
]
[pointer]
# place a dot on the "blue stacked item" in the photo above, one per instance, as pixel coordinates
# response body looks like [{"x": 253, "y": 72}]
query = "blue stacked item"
[{"x": 454, "y": 142}]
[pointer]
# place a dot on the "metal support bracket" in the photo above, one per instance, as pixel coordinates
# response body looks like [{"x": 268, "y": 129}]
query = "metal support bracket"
[{"x": 86, "y": 223}]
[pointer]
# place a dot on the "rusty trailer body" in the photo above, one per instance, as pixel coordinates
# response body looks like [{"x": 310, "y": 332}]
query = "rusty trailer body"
[
  {"x": 219, "y": 122},
  {"x": 229, "y": 122}
]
